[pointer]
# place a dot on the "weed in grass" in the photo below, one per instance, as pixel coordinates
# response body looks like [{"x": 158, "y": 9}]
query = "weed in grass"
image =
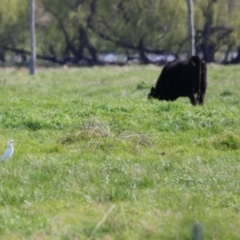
[
  {"x": 225, "y": 141},
  {"x": 226, "y": 93}
]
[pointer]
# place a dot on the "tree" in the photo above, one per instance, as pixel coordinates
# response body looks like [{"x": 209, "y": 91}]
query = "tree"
[
  {"x": 213, "y": 28},
  {"x": 145, "y": 27},
  {"x": 77, "y": 31},
  {"x": 233, "y": 19},
  {"x": 69, "y": 28},
  {"x": 13, "y": 25},
  {"x": 84, "y": 28}
]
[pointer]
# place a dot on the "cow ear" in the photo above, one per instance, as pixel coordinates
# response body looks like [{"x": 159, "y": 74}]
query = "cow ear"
[
  {"x": 192, "y": 63},
  {"x": 153, "y": 91},
  {"x": 151, "y": 94}
]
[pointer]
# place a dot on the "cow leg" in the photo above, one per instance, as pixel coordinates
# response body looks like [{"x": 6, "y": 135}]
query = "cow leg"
[
  {"x": 193, "y": 99},
  {"x": 201, "y": 99}
]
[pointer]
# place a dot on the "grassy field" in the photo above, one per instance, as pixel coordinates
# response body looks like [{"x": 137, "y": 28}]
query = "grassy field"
[{"x": 96, "y": 160}]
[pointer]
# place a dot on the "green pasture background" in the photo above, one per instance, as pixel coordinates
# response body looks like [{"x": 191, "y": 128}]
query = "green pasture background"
[{"x": 95, "y": 159}]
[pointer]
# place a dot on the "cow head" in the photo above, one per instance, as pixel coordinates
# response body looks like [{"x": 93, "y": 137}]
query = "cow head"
[{"x": 152, "y": 93}]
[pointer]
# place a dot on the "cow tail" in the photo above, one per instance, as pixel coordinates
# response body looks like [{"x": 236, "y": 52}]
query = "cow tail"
[{"x": 200, "y": 79}]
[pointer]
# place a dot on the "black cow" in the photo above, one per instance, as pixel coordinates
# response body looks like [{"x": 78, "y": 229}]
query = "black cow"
[{"x": 182, "y": 79}]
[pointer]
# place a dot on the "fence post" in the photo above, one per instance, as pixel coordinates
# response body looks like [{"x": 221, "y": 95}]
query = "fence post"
[
  {"x": 197, "y": 232},
  {"x": 191, "y": 27},
  {"x": 32, "y": 62}
]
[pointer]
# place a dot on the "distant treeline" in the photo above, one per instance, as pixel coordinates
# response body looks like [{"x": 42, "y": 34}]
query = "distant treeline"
[{"x": 79, "y": 31}]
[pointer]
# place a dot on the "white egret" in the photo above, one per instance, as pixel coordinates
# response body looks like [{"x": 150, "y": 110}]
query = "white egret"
[{"x": 9, "y": 151}]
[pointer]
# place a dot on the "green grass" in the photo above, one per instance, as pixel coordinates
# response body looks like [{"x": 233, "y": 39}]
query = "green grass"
[{"x": 96, "y": 160}]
